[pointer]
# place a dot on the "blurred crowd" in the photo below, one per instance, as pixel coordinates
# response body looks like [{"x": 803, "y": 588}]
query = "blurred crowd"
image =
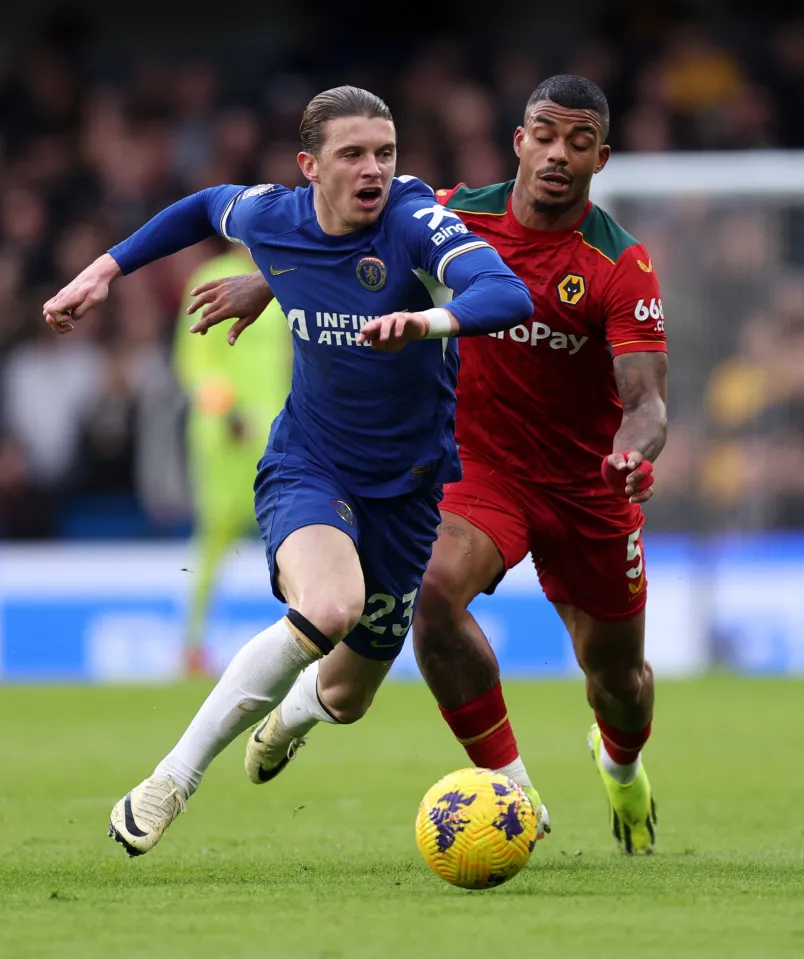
[
  {"x": 91, "y": 424},
  {"x": 732, "y": 275}
]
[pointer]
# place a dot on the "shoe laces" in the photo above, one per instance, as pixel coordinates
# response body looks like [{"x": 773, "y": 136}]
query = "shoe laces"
[
  {"x": 153, "y": 807},
  {"x": 294, "y": 747}
]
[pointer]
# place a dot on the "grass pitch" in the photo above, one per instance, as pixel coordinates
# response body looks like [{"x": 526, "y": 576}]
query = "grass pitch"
[{"x": 323, "y": 862}]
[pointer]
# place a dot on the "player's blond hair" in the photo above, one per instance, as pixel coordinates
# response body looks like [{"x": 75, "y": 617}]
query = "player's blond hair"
[{"x": 343, "y": 101}]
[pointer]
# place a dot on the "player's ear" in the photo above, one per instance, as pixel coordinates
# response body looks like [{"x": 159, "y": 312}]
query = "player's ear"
[
  {"x": 519, "y": 136},
  {"x": 603, "y": 157},
  {"x": 308, "y": 164}
]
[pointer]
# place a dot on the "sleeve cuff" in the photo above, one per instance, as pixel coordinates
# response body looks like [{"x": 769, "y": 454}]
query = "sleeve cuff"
[{"x": 639, "y": 346}]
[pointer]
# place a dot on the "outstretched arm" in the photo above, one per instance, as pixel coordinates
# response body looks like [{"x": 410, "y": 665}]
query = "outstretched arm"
[
  {"x": 180, "y": 225},
  {"x": 642, "y": 384}
]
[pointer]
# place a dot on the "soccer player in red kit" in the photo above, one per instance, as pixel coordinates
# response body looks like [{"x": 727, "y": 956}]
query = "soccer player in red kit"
[{"x": 559, "y": 421}]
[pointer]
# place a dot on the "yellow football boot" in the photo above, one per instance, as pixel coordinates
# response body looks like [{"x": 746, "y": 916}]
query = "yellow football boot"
[
  {"x": 633, "y": 811},
  {"x": 542, "y": 815}
]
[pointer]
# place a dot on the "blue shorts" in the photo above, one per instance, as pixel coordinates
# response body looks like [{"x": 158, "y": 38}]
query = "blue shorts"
[{"x": 393, "y": 537}]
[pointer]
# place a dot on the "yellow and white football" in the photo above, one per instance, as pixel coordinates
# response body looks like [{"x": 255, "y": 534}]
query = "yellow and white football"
[{"x": 476, "y": 828}]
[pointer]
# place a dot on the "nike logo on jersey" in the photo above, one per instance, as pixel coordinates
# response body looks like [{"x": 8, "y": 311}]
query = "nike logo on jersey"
[
  {"x": 274, "y": 272},
  {"x": 378, "y": 645},
  {"x": 646, "y": 267}
]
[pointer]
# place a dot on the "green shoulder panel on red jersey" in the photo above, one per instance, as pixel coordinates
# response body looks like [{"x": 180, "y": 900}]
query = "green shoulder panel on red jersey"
[
  {"x": 604, "y": 234},
  {"x": 485, "y": 199}
]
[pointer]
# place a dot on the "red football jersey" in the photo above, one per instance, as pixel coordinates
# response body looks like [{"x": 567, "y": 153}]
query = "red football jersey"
[{"x": 541, "y": 398}]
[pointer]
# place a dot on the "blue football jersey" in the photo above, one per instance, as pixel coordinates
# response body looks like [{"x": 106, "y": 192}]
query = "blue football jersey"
[{"x": 383, "y": 421}]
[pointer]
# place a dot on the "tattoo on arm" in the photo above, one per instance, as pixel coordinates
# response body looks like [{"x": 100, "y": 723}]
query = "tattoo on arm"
[{"x": 642, "y": 384}]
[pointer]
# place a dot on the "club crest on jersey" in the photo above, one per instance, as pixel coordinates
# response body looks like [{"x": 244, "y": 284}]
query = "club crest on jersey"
[
  {"x": 372, "y": 273},
  {"x": 571, "y": 289},
  {"x": 344, "y": 510}
]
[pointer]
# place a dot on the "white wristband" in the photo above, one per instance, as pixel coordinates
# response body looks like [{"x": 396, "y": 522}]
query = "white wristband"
[{"x": 440, "y": 323}]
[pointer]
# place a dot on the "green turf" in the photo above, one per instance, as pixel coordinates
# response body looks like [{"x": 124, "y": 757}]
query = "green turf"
[{"x": 322, "y": 863}]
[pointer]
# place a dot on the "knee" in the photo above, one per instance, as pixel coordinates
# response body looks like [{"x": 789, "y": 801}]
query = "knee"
[
  {"x": 622, "y": 685},
  {"x": 346, "y": 704},
  {"x": 334, "y": 616}
]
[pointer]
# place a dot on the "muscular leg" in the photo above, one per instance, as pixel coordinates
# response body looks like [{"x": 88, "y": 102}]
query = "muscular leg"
[
  {"x": 619, "y": 688},
  {"x": 348, "y": 682},
  {"x": 337, "y": 689},
  {"x": 341, "y": 687},
  {"x": 619, "y": 680},
  {"x": 320, "y": 576},
  {"x": 455, "y": 657}
]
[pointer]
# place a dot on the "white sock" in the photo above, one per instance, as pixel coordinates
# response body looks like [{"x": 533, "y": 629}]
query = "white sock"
[
  {"x": 619, "y": 773},
  {"x": 255, "y": 682},
  {"x": 301, "y": 709},
  {"x": 516, "y": 771}
]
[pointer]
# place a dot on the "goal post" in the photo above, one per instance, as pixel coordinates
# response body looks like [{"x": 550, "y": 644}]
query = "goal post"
[{"x": 769, "y": 174}]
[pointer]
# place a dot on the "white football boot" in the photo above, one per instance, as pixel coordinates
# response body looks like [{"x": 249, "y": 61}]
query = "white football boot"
[
  {"x": 270, "y": 748},
  {"x": 140, "y": 818}
]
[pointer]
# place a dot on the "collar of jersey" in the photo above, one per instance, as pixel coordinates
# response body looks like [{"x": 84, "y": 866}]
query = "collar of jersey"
[{"x": 547, "y": 236}]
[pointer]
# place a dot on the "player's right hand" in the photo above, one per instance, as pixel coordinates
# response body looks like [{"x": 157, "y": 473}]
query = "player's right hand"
[
  {"x": 629, "y": 473},
  {"x": 88, "y": 289},
  {"x": 244, "y": 296},
  {"x": 392, "y": 332}
]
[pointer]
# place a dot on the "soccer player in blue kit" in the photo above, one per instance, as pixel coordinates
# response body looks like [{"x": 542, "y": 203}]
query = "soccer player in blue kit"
[{"x": 347, "y": 492}]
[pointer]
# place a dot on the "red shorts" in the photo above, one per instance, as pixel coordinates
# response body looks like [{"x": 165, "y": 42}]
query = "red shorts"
[{"x": 587, "y": 550}]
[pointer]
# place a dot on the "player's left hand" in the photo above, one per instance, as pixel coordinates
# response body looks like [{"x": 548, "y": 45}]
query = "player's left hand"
[
  {"x": 392, "y": 332},
  {"x": 629, "y": 473},
  {"x": 242, "y": 297}
]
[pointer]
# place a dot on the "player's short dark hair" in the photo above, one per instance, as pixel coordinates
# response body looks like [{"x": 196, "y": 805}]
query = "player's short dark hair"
[
  {"x": 338, "y": 102},
  {"x": 575, "y": 93}
]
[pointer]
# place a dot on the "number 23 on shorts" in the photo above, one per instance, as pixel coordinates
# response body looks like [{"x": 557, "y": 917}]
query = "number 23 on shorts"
[{"x": 384, "y": 606}]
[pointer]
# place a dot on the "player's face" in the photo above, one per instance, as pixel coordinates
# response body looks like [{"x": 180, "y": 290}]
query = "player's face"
[
  {"x": 353, "y": 170},
  {"x": 559, "y": 152}
]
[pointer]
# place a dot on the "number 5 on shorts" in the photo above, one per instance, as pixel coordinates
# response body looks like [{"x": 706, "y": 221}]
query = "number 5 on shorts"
[{"x": 634, "y": 552}]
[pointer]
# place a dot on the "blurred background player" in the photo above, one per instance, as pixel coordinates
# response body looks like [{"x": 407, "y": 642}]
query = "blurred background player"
[
  {"x": 233, "y": 397},
  {"x": 545, "y": 411}
]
